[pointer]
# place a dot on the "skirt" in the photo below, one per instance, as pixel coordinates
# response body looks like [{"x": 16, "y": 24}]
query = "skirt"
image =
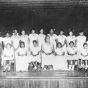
[
  {"x": 34, "y": 58},
  {"x": 47, "y": 59},
  {"x": 22, "y": 63},
  {"x": 74, "y": 57},
  {"x": 60, "y": 63},
  {"x": 83, "y": 58}
]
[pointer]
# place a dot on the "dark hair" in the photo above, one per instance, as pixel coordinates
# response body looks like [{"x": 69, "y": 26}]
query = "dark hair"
[
  {"x": 71, "y": 42},
  {"x": 21, "y": 43},
  {"x": 70, "y": 31},
  {"x": 58, "y": 43},
  {"x": 33, "y": 29},
  {"x": 46, "y": 37},
  {"x": 81, "y": 31},
  {"x": 7, "y": 32},
  {"x": 61, "y": 30},
  {"x": 35, "y": 41},
  {"x": 84, "y": 44}
]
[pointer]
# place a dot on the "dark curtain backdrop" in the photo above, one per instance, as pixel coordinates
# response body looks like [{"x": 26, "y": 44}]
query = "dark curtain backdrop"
[{"x": 63, "y": 17}]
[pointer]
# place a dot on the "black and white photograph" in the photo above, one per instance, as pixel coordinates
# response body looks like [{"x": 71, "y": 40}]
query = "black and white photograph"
[{"x": 43, "y": 44}]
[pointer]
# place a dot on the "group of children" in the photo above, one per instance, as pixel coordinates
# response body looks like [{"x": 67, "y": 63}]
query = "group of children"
[{"x": 47, "y": 52}]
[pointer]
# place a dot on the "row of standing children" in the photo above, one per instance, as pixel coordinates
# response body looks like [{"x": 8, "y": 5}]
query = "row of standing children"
[{"x": 69, "y": 51}]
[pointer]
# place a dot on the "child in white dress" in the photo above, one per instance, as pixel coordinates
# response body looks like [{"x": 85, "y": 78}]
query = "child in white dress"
[
  {"x": 60, "y": 59},
  {"x": 70, "y": 38},
  {"x": 47, "y": 52},
  {"x": 15, "y": 40},
  {"x": 22, "y": 58},
  {"x": 53, "y": 37},
  {"x": 83, "y": 56},
  {"x": 7, "y": 39},
  {"x": 33, "y": 36},
  {"x": 71, "y": 55},
  {"x": 41, "y": 37},
  {"x": 80, "y": 40},
  {"x": 61, "y": 38},
  {"x": 35, "y": 52},
  {"x": 8, "y": 57},
  {"x": 24, "y": 38}
]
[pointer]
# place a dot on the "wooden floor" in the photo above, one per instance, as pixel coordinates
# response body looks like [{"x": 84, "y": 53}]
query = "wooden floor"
[
  {"x": 44, "y": 74},
  {"x": 44, "y": 79}
]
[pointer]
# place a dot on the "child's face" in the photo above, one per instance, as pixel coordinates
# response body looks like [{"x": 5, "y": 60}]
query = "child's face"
[
  {"x": 7, "y": 35},
  {"x": 41, "y": 31},
  {"x": 51, "y": 31},
  {"x": 59, "y": 46},
  {"x": 47, "y": 39},
  {"x": 35, "y": 44},
  {"x": 61, "y": 32},
  {"x": 22, "y": 45},
  {"x": 81, "y": 33},
  {"x": 23, "y": 32},
  {"x": 33, "y": 31},
  {"x": 70, "y": 33},
  {"x": 71, "y": 44},
  {"x": 85, "y": 46},
  {"x": 15, "y": 32}
]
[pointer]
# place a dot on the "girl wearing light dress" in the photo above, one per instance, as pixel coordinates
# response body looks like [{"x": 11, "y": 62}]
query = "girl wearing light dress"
[
  {"x": 8, "y": 57},
  {"x": 83, "y": 56},
  {"x": 41, "y": 37},
  {"x": 7, "y": 39},
  {"x": 24, "y": 38},
  {"x": 35, "y": 52},
  {"x": 22, "y": 58},
  {"x": 61, "y": 38},
  {"x": 47, "y": 52},
  {"x": 70, "y": 38},
  {"x": 60, "y": 59},
  {"x": 72, "y": 56},
  {"x": 33, "y": 36},
  {"x": 80, "y": 40},
  {"x": 53, "y": 37},
  {"x": 15, "y": 40}
]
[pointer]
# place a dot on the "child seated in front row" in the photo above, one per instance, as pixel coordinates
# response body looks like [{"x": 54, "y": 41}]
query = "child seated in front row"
[
  {"x": 8, "y": 57},
  {"x": 84, "y": 57},
  {"x": 71, "y": 55}
]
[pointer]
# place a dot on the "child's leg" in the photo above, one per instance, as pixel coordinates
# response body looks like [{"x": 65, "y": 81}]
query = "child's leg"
[
  {"x": 83, "y": 63},
  {"x": 73, "y": 63},
  {"x": 70, "y": 64},
  {"x": 79, "y": 63},
  {"x": 87, "y": 64}
]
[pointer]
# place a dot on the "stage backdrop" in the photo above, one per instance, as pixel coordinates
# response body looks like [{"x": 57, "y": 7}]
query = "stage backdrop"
[{"x": 59, "y": 17}]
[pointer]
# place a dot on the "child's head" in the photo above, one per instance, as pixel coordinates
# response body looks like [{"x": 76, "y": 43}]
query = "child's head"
[
  {"x": 22, "y": 44},
  {"x": 33, "y": 30},
  {"x": 7, "y": 34},
  {"x": 59, "y": 45},
  {"x": 71, "y": 44},
  {"x": 47, "y": 38},
  {"x": 85, "y": 45},
  {"x": 70, "y": 33},
  {"x": 51, "y": 31},
  {"x": 35, "y": 43},
  {"x": 81, "y": 32},
  {"x": 23, "y": 32},
  {"x": 41, "y": 31},
  {"x": 61, "y": 32}
]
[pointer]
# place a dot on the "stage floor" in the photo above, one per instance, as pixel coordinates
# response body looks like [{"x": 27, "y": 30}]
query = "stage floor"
[{"x": 45, "y": 74}]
